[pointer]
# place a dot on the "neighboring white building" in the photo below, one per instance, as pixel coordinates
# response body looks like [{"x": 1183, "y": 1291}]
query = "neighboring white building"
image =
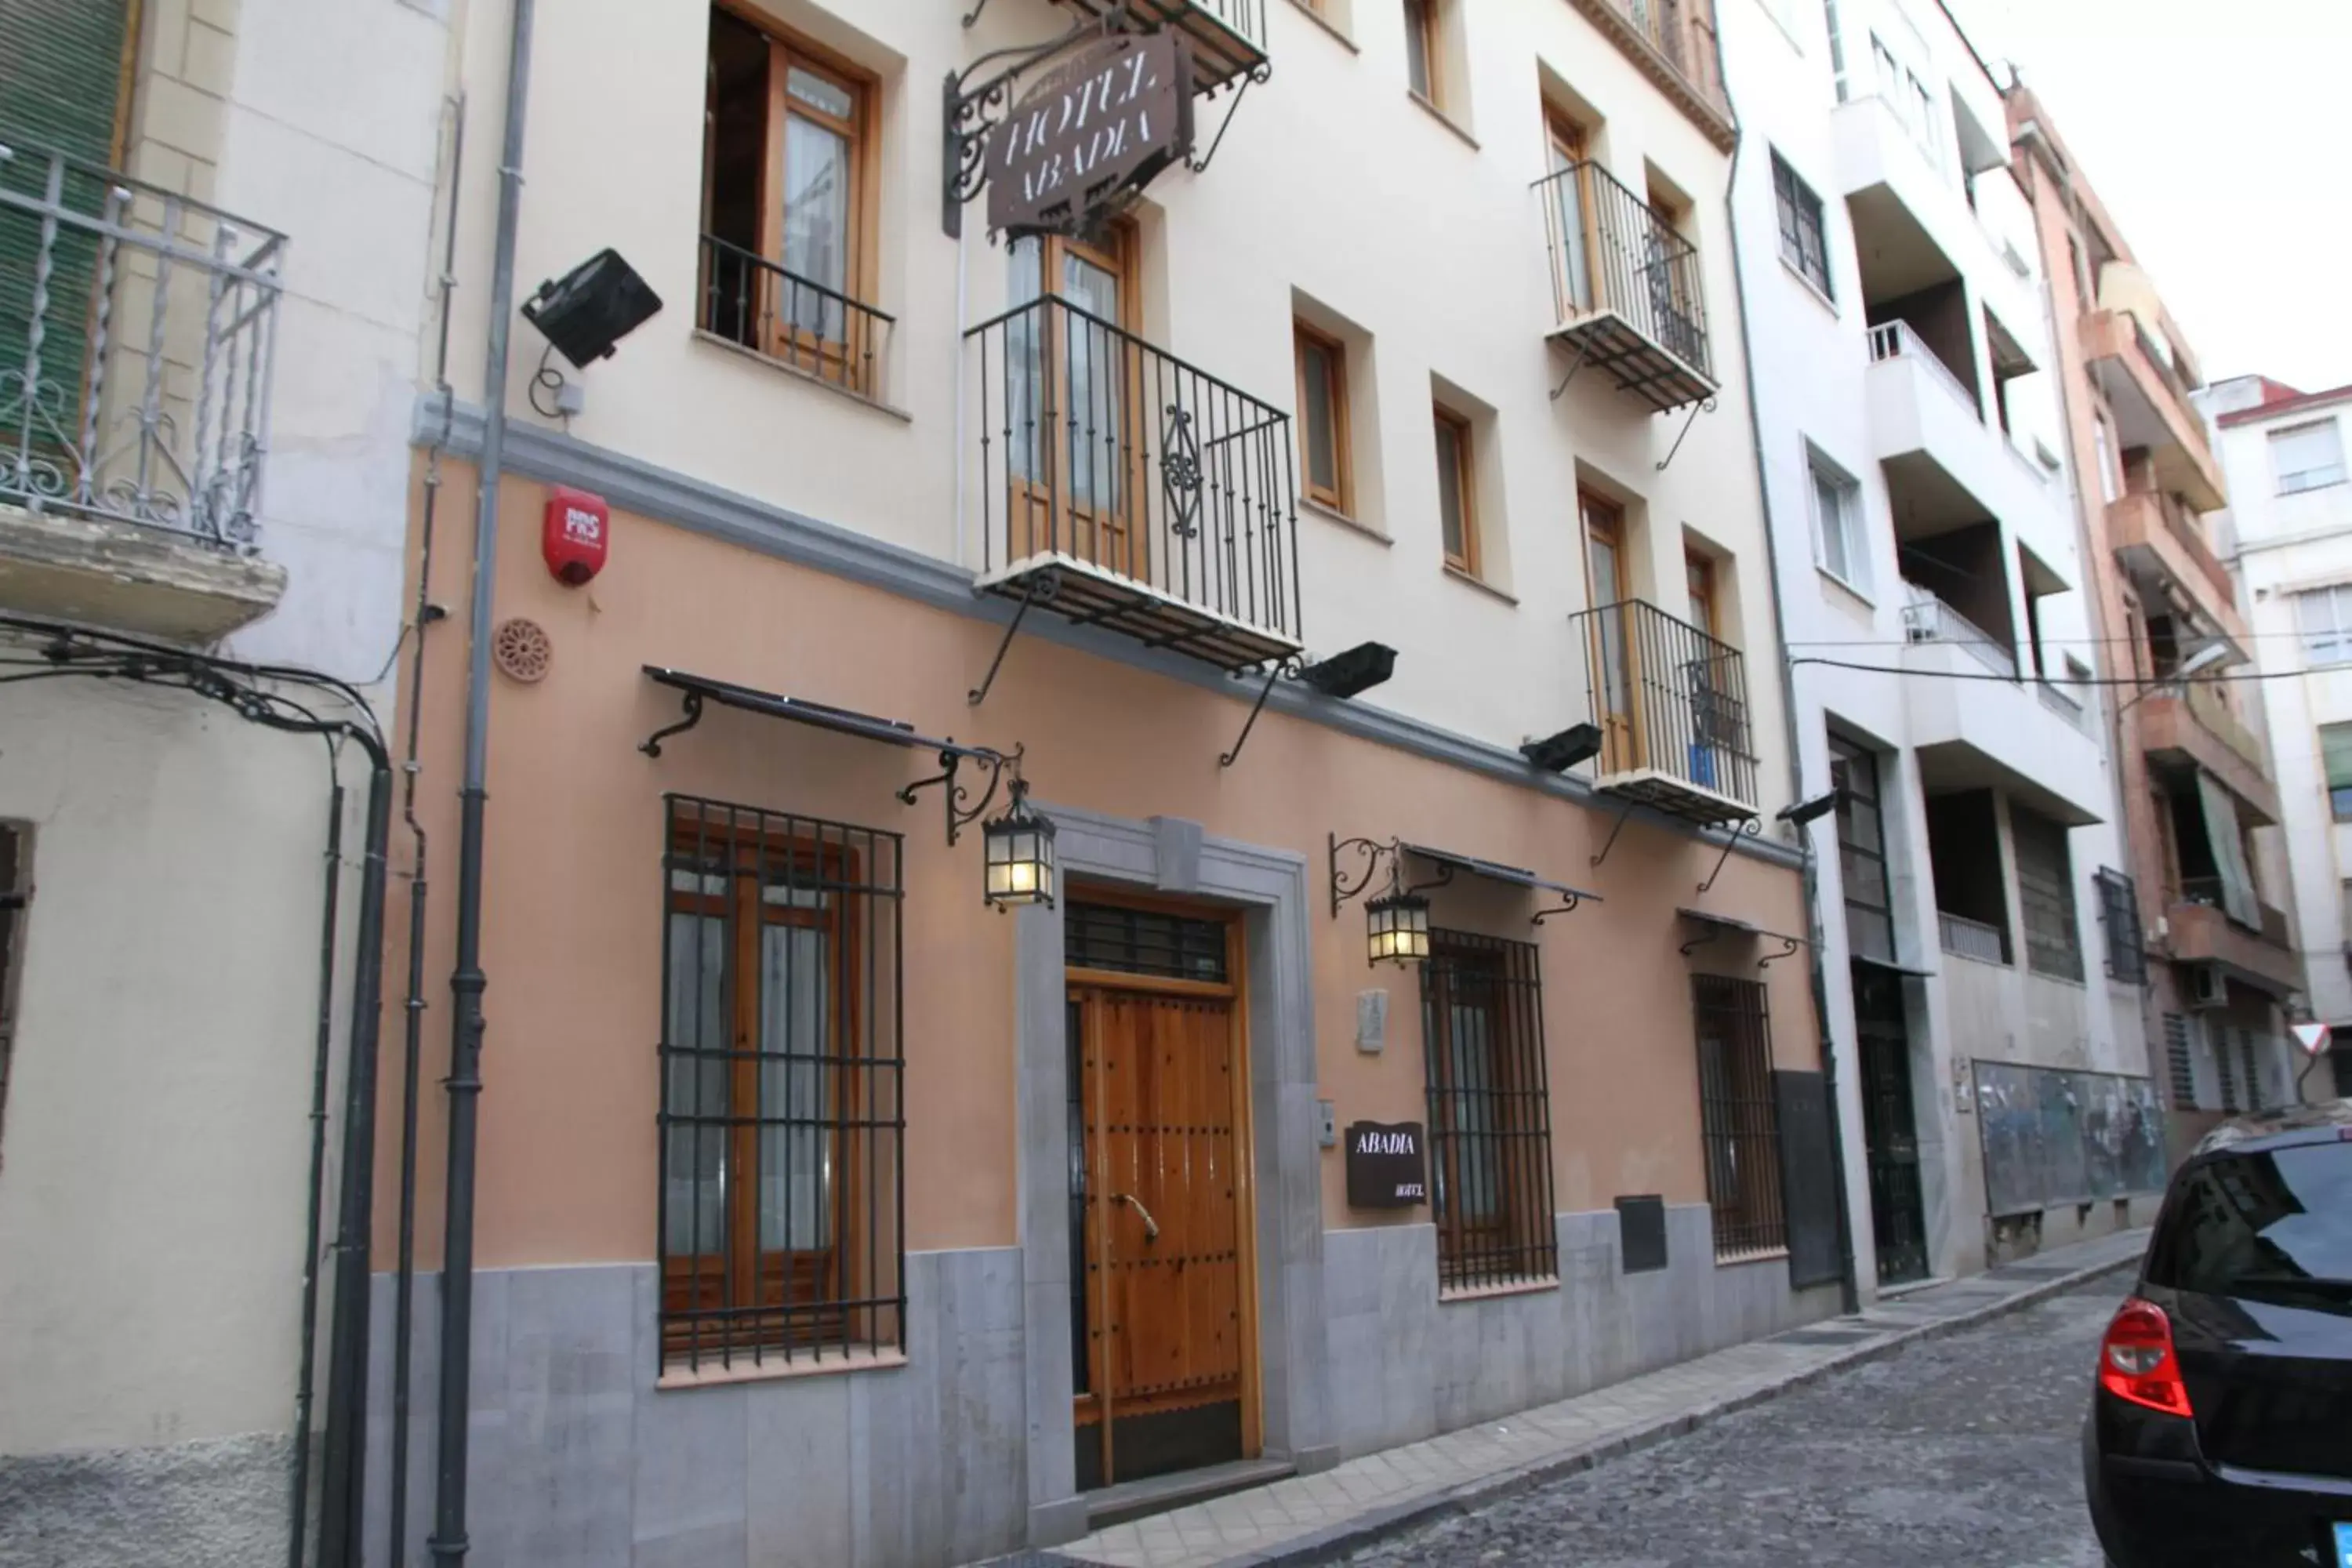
[
  {"x": 1924, "y": 531},
  {"x": 2290, "y": 538},
  {"x": 219, "y": 465}
]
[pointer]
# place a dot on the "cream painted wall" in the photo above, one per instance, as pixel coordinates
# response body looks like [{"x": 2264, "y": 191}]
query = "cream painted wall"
[
  {"x": 1814, "y": 401},
  {"x": 1333, "y": 184},
  {"x": 2285, "y": 545},
  {"x": 155, "y": 1154}
]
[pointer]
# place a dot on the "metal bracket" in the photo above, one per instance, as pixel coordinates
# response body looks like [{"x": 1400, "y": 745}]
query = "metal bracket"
[
  {"x": 972, "y": 111},
  {"x": 1293, "y": 667},
  {"x": 954, "y": 795},
  {"x": 1040, "y": 590},
  {"x": 651, "y": 745},
  {"x": 1696, "y": 409},
  {"x": 1372, "y": 850},
  {"x": 1200, "y": 165},
  {"x": 1582, "y": 346},
  {"x": 1611, "y": 842},
  {"x": 1788, "y": 945},
  {"x": 1749, "y": 827},
  {"x": 1714, "y": 933},
  {"x": 1569, "y": 902}
]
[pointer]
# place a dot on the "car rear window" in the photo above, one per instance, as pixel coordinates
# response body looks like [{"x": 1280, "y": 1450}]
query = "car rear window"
[{"x": 2277, "y": 1226}]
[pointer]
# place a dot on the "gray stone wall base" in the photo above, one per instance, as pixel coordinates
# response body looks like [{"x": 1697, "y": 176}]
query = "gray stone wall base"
[
  {"x": 1406, "y": 1365},
  {"x": 1052, "y": 1523},
  {"x": 220, "y": 1503}
]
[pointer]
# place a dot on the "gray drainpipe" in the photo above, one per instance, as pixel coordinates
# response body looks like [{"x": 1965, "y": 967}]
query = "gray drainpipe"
[
  {"x": 1849, "y": 1288},
  {"x": 467, "y": 983}
]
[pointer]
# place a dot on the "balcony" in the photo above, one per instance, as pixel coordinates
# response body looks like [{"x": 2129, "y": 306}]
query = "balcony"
[
  {"x": 2151, "y": 407},
  {"x": 1975, "y": 734},
  {"x": 1626, "y": 290},
  {"x": 1964, "y": 938},
  {"x": 1672, "y": 704},
  {"x": 135, "y": 402},
  {"x": 1120, "y": 487},
  {"x": 1912, "y": 223},
  {"x": 2159, "y": 544},
  {"x": 1228, "y": 37},
  {"x": 1929, "y": 430},
  {"x": 1673, "y": 42},
  {"x": 2198, "y": 731},
  {"x": 2203, "y": 933}
]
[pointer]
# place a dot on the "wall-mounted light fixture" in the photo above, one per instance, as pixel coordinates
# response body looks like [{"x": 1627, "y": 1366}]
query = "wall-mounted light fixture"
[
  {"x": 1351, "y": 673},
  {"x": 1799, "y": 813},
  {"x": 1558, "y": 753},
  {"x": 1396, "y": 923},
  {"x": 1019, "y": 854},
  {"x": 590, "y": 308}
]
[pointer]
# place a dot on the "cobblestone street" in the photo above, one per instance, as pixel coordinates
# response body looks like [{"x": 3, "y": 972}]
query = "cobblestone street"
[{"x": 1958, "y": 1453}]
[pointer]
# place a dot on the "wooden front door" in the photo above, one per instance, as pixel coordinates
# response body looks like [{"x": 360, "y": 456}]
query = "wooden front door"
[
  {"x": 1611, "y": 650},
  {"x": 1079, "y": 439},
  {"x": 1160, "y": 1255}
]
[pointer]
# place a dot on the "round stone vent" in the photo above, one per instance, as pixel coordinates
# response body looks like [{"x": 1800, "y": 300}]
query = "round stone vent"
[{"x": 520, "y": 650}]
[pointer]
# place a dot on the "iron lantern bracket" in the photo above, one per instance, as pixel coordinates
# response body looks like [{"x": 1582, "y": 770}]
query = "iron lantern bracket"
[
  {"x": 1749, "y": 827},
  {"x": 1372, "y": 851},
  {"x": 955, "y": 794},
  {"x": 973, "y": 109}
]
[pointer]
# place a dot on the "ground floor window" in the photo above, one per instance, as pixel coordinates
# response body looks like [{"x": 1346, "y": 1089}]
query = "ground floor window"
[
  {"x": 781, "y": 1087},
  {"x": 1489, "y": 1112},
  {"x": 1738, "y": 1116}
]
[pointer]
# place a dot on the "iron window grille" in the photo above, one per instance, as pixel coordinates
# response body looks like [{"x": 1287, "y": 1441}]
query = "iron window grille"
[
  {"x": 1155, "y": 943},
  {"x": 2045, "y": 890},
  {"x": 1862, "y": 852},
  {"x": 1489, "y": 1112},
  {"x": 2119, "y": 914},
  {"x": 2180, "y": 1064},
  {"x": 781, "y": 1208},
  {"x": 1802, "y": 242},
  {"x": 1738, "y": 1118}
]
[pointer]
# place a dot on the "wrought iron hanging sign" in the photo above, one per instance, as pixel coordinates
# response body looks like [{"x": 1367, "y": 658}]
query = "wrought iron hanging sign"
[{"x": 1090, "y": 134}]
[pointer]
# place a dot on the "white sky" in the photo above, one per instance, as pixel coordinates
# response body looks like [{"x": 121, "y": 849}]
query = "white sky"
[{"x": 2217, "y": 134}]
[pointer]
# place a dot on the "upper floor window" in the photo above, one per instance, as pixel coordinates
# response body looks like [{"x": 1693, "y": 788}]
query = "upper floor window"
[
  {"x": 2307, "y": 456},
  {"x": 1838, "y": 543},
  {"x": 1323, "y": 414},
  {"x": 2045, "y": 895},
  {"x": 1421, "y": 65},
  {"x": 1802, "y": 245},
  {"x": 2336, "y": 758},
  {"x": 2324, "y": 617},
  {"x": 2119, "y": 914},
  {"x": 1862, "y": 850},
  {"x": 787, "y": 205},
  {"x": 1457, "y": 502}
]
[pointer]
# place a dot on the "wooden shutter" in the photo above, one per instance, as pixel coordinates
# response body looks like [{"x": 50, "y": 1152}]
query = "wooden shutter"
[{"x": 61, "y": 90}]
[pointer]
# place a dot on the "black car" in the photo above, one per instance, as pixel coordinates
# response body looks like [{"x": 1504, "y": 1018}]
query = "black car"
[{"x": 2221, "y": 1433}]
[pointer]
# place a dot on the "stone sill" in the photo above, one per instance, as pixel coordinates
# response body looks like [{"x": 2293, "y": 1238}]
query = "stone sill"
[
  {"x": 1446, "y": 1298},
  {"x": 151, "y": 582},
  {"x": 775, "y": 1370}
]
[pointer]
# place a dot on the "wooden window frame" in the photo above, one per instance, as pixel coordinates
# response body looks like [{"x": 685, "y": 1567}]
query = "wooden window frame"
[
  {"x": 1421, "y": 17},
  {"x": 791, "y": 1302},
  {"x": 843, "y": 360},
  {"x": 1700, "y": 590},
  {"x": 1465, "y": 489},
  {"x": 1339, "y": 497}
]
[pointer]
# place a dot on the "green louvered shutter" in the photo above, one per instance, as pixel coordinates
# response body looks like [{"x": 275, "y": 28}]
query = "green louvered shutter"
[{"x": 60, "y": 86}]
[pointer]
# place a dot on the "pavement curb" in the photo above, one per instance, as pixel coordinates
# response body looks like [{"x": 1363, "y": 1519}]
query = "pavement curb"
[{"x": 1336, "y": 1542}]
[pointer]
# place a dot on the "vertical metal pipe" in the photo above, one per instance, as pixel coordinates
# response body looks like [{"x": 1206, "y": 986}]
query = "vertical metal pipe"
[
  {"x": 299, "y": 1529},
  {"x": 467, "y": 982}
]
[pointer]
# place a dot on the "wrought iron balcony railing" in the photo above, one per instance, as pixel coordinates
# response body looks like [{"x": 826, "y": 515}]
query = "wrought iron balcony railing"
[
  {"x": 1626, "y": 287},
  {"x": 1672, "y": 704},
  {"x": 1122, "y": 487},
  {"x": 1675, "y": 42},
  {"x": 797, "y": 321},
  {"x": 137, "y": 331}
]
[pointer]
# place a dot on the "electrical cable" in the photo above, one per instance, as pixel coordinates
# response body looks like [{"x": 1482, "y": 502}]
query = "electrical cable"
[{"x": 2013, "y": 680}]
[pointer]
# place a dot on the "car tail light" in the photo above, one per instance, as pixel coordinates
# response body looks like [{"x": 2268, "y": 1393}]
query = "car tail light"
[{"x": 2137, "y": 1361}]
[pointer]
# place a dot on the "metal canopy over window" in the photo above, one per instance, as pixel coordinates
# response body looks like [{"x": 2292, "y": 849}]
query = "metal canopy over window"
[
  {"x": 700, "y": 690},
  {"x": 1448, "y": 862},
  {"x": 1721, "y": 928}
]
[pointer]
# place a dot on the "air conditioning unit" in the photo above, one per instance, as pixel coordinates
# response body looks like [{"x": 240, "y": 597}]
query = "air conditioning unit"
[{"x": 2206, "y": 987}]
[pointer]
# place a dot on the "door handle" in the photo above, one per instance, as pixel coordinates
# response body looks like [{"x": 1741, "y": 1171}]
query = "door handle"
[{"x": 1150, "y": 1226}]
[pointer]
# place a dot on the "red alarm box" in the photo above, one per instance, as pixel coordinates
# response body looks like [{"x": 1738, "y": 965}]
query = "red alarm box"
[{"x": 577, "y": 534}]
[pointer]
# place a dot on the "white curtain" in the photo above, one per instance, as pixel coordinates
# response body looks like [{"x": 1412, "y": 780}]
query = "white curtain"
[{"x": 2238, "y": 900}]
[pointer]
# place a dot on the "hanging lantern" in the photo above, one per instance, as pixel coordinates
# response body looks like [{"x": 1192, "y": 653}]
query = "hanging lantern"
[
  {"x": 1397, "y": 925},
  {"x": 1019, "y": 856}
]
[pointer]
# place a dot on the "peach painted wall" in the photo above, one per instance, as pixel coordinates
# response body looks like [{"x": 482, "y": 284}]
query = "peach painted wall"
[{"x": 573, "y": 885}]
